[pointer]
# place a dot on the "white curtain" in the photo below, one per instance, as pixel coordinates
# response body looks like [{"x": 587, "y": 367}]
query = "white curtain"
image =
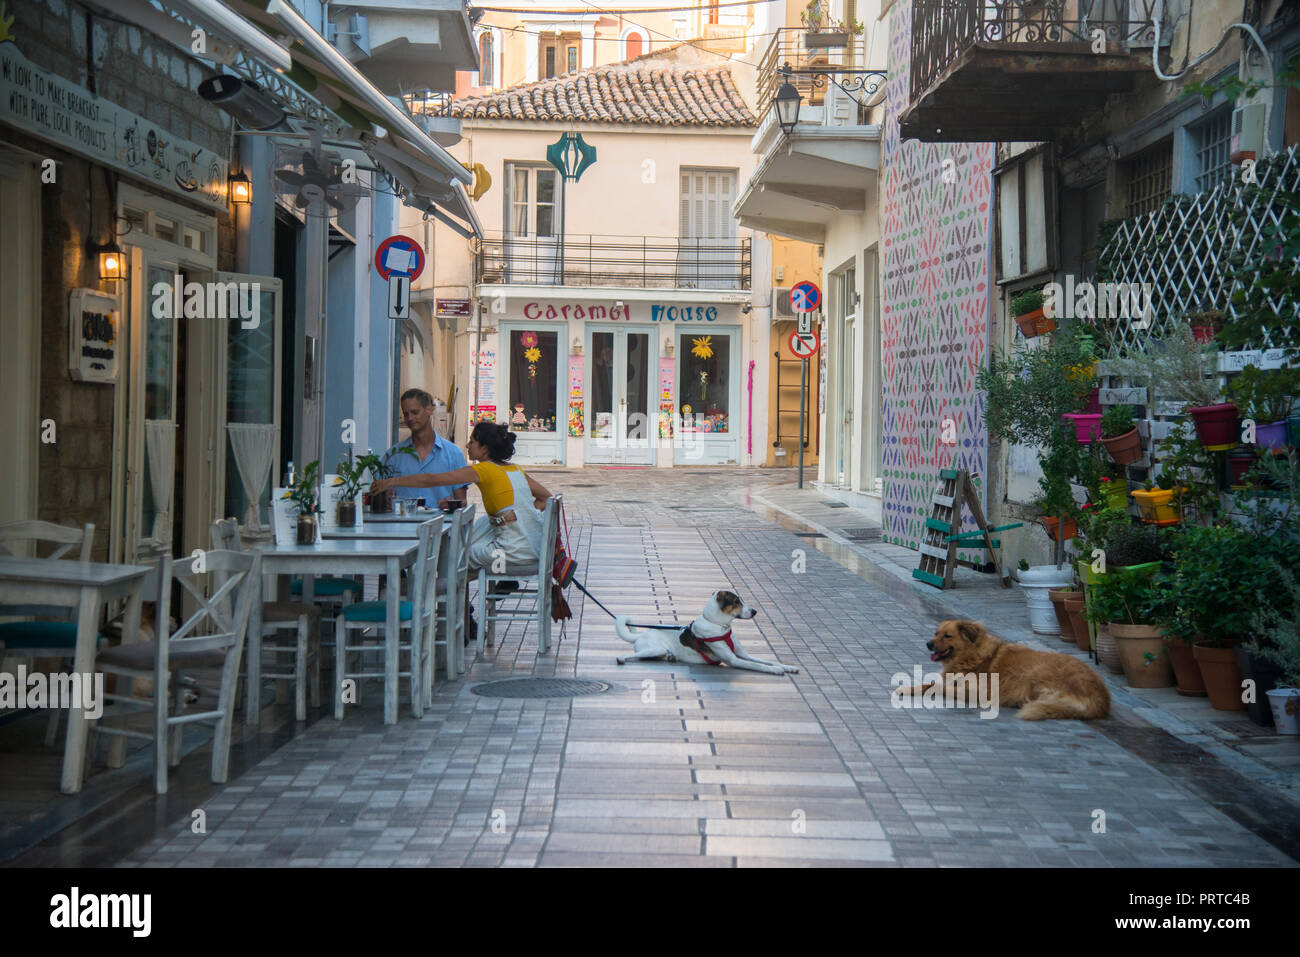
[
  {"x": 254, "y": 447},
  {"x": 160, "y": 451}
]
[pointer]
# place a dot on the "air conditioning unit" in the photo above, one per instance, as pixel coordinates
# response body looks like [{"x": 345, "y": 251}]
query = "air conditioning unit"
[
  {"x": 781, "y": 308},
  {"x": 1248, "y": 132}
]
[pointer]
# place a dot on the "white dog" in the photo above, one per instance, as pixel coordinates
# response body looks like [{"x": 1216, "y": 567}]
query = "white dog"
[{"x": 707, "y": 641}]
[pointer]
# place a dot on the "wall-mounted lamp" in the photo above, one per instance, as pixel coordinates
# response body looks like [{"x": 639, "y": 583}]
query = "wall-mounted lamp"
[
  {"x": 786, "y": 104},
  {"x": 576, "y": 348},
  {"x": 111, "y": 262},
  {"x": 668, "y": 346},
  {"x": 241, "y": 189}
]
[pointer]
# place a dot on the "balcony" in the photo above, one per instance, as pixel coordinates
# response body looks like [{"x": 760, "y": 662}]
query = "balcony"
[
  {"x": 622, "y": 262},
  {"x": 402, "y": 45},
  {"x": 1020, "y": 70},
  {"x": 796, "y": 54}
]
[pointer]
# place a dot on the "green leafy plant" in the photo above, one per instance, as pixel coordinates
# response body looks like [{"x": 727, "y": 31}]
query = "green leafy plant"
[
  {"x": 1030, "y": 389},
  {"x": 1128, "y": 597},
  {"x": 1277, "y": 629},
  {"x": 1219, "y": 573},
  {"x": 1026, "y": 302},
  {"x": 1176, "y": 369},
  {"x": 1189, "y": 469},
  {"x": 305, "y": 493},
  {"x": 351, "y": 475},
  {"x": 1265, "y": 395},
  {"x": 1116, "y": 421}
]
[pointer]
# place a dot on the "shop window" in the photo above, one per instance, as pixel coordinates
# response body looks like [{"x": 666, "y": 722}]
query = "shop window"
[
  {"x": 533, "y": 380},
  {"x": 704, "y": 382}
]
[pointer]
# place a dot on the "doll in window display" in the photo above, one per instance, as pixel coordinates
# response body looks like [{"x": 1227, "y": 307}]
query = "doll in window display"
[{"x": 518, "y": 421}]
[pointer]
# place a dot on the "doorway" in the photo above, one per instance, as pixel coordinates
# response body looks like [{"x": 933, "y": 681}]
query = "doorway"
[
  {"x": 621, "y": 387},
  {"x": 20, "y": 258}
]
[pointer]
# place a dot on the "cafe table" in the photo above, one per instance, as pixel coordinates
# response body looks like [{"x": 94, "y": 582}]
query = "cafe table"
[
  {"x": 387, "y": 530},
  {"x": 86, "y": 586},
  {"x": 350, "y": 557},
  {"x": 384, "y": 518}
]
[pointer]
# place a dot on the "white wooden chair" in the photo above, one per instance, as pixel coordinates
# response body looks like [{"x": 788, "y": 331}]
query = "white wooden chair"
[
  {"x": 213, "y": 637},
  {"x": 452, "y": 598},
  {"x": 43, "y": 639},
  {"x": 299, "y": 619},
  {"x": 540, "y": 573},
  {"x": 415, "y": 618}
]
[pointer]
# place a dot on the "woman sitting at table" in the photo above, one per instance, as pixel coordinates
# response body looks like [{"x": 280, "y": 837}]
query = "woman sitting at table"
[{"x": 513, "y": 524}]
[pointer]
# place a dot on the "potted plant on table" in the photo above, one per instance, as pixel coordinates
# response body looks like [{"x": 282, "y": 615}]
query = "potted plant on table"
[
  {"x": 1120, "y": 436},
  {"x": 351, "y": 475},
  {"x": 305, "y": 494},
  {"x": 380, "y": 467}
]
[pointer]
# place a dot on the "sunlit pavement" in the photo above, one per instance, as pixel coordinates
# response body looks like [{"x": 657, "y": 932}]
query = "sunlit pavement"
[{"x": 694, "y": 765}]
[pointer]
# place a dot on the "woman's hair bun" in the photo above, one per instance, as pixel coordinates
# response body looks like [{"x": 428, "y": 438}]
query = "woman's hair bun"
[{"x": 496, "y": 438}]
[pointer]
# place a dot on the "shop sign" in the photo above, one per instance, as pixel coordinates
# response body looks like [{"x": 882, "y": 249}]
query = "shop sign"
[
  {"x": 660, "y": 313},
  {"x": 535, "y": 310},
  {"x": 92, "y": 336},
  {"x": 49, "y": 107},
  {"x": 452, "y": 308}
]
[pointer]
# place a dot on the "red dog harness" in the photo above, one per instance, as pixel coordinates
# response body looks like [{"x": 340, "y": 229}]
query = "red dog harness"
[{"x": 691, "y": 640}]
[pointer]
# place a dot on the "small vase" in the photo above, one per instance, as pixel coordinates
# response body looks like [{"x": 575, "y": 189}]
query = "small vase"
[
  {"x": 1221, "y": 675},
  {"x": 347, "y": 512},
  {"x": 1285, "y": 703},
  {"x": 1186, "y": 671},
  {"x": 379, "y": 503},
  {"x": 306, "y": 530}
]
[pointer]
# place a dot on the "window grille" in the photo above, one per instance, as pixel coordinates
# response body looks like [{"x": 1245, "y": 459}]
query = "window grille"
[
  {"x": 1150, "y": 174},
  {"x": 1212, "y": 141}
]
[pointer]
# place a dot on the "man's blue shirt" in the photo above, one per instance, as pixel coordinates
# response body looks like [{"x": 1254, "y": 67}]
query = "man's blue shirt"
[{"x": 443, "y": 457}]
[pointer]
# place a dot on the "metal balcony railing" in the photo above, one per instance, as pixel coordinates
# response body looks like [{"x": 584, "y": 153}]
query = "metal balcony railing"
[
  {"x": 428, "y": 103},
  {"x": 944, "y": 29},
  {"x": 800, "y": 54},
  {"x": 642, "y": 262}
]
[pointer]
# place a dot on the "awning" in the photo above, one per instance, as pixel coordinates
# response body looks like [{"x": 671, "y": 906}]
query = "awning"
[
  {"x": 423, "y": 186},
  {"x": 234, "y": 27}
]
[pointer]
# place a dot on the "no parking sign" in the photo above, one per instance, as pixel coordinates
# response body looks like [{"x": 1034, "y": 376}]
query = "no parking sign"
[{"x": 399, "y": 256}]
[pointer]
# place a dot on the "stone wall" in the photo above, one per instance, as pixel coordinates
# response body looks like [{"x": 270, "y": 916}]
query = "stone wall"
[{"x": 145, "y": 74}]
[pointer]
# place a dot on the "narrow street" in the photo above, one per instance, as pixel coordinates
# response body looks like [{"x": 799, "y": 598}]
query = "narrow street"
[{"x": 682, "y": 766}]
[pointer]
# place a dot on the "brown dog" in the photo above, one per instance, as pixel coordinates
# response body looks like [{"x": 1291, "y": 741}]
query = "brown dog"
[{"x": 1042, "y": 684}]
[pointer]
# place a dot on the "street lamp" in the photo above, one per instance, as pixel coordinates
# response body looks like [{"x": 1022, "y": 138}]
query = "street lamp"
[
  {"x": 241, "y": 189},
  {"x": 786, "y": 105},
  {"x": 111, "y": 267}
]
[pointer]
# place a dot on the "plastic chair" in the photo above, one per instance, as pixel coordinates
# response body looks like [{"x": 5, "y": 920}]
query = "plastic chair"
[
  {"x": 539, "y": 572},
  {"x": 225, "y": 601},
  {"x": 415, "y": 616}
]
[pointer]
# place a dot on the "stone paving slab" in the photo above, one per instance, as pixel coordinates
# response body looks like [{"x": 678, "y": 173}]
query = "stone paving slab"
[{"x": 700, "y": 766}]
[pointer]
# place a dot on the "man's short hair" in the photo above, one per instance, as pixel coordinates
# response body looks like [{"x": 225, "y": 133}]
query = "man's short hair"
[{"x": 424, "y": 398}]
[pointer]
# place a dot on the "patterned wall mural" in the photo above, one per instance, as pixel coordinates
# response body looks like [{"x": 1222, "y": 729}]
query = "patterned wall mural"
[{"x": 936, "y": 227}]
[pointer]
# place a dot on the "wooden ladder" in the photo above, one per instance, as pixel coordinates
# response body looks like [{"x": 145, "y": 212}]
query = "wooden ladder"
[{"x": 943, "y": 535}]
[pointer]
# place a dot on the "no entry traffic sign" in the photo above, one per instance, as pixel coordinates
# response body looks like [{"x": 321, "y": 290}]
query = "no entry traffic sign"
[
  {"x": 805, "y": 297},
  {"x": 804, "y": 345},
  {"x": 399, "y": 256}
]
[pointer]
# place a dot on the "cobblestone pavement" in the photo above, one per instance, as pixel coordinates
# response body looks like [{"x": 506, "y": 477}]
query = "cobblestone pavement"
[{"x": 699, "y": 766}]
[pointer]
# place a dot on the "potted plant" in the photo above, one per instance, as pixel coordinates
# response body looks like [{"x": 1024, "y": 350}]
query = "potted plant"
[
  {"x": 1182, "y": 371},
  {"x": 1027, "y": 310},
  {"x": 1206, "y": 325},
  {"x": 351, "y": 474},
  {"x": 1058, "y": 597},
  {"x": 380, "y": 467},
  {"x": 1278, "y": 643},
  {"x": 1123, "y": 603},
  {"x": 1265, "y": 397},
  {"x": 1120, "y": 436},
  {"x": 1157, "y": 506},
  {"x": 305, "y": 494}
]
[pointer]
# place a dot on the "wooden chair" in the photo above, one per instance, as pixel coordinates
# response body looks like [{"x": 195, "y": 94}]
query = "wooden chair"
[
  {"x": 43, "y": 639},
  {"x": 300, "y": 619},
  {"x": 452, "y": 598},
  {"x": 415, "y": 617},
  {"x": 539, "y": 572},
  {"x": 225, "y": 591}
]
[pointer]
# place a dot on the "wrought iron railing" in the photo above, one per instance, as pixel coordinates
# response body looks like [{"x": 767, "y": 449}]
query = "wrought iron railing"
[
  {"x": 944, "y": 29},
  {"x": 795, "y": 53},
  {"x": 643, "y": 262},
  {"x": 428, "y": 103}
]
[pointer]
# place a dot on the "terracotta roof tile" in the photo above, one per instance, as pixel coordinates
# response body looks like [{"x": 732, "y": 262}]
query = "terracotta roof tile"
[{"x": 619, "y": 93}]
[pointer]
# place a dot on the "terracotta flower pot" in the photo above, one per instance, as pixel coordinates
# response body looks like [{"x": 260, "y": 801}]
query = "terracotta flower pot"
[
  {"x": 1082, "y": 637},
  {"x": 1035, "y": 324},
  {"x": 1157, "y": 506},
  {"x": 1058, "y": 596},
  {"x": 1087, "y": 427},
  {"x": 1125, "y": 449},
  {"x": 1186, "y": 670},
  {"x": 1142, "y": 656},
  {"x": 1216, "y": 426},
  {"x": 1108, "y": 649},
  {"x": 1071, "y": 527},
  {"x": 1221, "y": 675}
]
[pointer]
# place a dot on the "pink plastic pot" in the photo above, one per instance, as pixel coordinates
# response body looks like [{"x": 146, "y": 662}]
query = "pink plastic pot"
[{"x": 1087, "y": 427}]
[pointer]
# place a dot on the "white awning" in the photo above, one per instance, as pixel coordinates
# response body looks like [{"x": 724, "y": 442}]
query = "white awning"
[{"x": 424, "y": 187}]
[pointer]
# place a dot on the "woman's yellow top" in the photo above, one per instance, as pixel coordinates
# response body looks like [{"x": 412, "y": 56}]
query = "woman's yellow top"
[{"x": 494, "y": 485}]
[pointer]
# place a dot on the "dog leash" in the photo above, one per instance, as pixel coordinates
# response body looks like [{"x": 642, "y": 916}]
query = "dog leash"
[{"x": 583, "y": 589}]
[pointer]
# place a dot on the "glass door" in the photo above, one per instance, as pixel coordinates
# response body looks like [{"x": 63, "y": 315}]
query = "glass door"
[
  {"x": 708, "y": 397},
  {"x": 621, "y": 387},
  {"x": 530, "y": 367}
]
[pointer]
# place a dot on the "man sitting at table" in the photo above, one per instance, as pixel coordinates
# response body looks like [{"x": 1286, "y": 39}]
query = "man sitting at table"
[{"x": 433, "y": 453}]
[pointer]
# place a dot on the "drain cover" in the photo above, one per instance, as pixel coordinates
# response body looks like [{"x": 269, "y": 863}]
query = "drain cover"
[
  {"x": 540, "y": 688},
  {"x": 866, "y": 534}
]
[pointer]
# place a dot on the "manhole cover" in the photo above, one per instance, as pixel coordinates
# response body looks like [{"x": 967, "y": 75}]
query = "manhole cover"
[
  {"x": 836, "y": 505},
  {"x": 540, "y": 688},
  {"x": 809, "y": 535},
  {"x": 862, "y": 534}
]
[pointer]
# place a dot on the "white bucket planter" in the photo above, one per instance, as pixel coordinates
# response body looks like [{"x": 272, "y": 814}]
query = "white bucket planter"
[
  {"x": 1037, "y": 581},
  {"x": 1285, "y": 703}
]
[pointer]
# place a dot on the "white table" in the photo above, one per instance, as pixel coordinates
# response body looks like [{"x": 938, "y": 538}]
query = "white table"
[
  {"x": 390, "y": 531},
  {"x": 350, "y": 557},
  {"x": 387, "y": 519},
  {"x": 86, "y": 586}
]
